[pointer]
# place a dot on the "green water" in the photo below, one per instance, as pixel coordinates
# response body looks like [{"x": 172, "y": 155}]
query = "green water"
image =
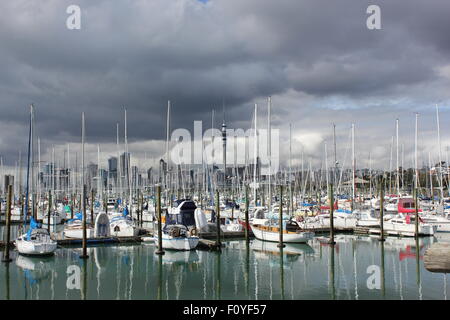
[{"x": 313, "y": 271}]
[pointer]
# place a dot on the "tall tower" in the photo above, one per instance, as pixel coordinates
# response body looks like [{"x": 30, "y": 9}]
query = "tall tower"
[{"x": 224, "y": 146}]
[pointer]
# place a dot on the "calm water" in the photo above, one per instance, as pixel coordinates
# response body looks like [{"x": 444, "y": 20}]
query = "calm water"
[{"x": 313, "y": 271}]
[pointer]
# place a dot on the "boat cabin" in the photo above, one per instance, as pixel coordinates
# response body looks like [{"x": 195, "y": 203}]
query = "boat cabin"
[
  {"x": 182, "y": 214},
  {"x": 406, "y": 205}
]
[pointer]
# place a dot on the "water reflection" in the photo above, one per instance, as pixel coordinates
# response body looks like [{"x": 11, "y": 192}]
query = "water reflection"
[{"x": 254, "y": 270}]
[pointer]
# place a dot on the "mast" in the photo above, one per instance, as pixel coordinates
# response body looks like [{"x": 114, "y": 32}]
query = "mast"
[
  {"x": 98, "y": 172},
  {"x": 416, "y": 165},
  {"x": 353, "y": 166},
  {"x": 440, "y": 155},
  {"x": 335, "y": 155},
  {"x": 255, "y": 153},
  {"x": 82, "y": 157},
  {"x": 128, "y": 163},
  {"x": 224, "y": 148},
  {"x": 269, "y": 150},
  {"x": 326, "y": 164},
  {"x": 119, "y": 165},
  {"x": 370, "y": 175},
  {"x": 28, "y": 166},
  {"x": 290, "y": 169},
  {"x": 167, "y": 149},
  {"x": 398, "y": 163}
]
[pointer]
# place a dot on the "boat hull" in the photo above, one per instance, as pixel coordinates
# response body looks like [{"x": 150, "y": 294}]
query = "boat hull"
[
  {"x": 35, "y": 249},
  {"x": 178, "y": 243},
  {"x": 264, "y": 235},
  {"x": 406, "y": 230}
]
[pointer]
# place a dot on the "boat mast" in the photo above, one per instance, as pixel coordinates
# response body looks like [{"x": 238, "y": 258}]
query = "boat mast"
[
  {"x": 119, "y": 166},
  {"x": 416, "y": 165},
  {"x": 440, "y": 155},
  {"x": 255, "y": 153},
  {"x": 128, "y": 163},
  {"x": 98, "y": 173},
  {"x": 353, "y": 166},
  {"x": 290, "y": 169},
  {"x": 326, "y": 164},
  {"x": 167, "y": 150},
  {"x": 335, "y": 155},
  {"x": 28, "y": 166},
  {"x": 398, "y": 163},
  {"x": 269, "y": 150}
]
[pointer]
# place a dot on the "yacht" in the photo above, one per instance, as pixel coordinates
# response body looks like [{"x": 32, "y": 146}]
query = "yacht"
[
  {"x": 179, "y": 231},
  {"x": 121, "y": 225},
  {"x": 265, "y": 230},
  {"x": 36, "y": 242}
]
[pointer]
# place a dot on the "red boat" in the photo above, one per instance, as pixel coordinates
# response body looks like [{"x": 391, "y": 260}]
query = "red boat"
[{"x": 406, "y": 205}]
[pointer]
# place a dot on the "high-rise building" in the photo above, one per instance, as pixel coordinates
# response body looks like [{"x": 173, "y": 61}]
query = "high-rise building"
[
  {"x": 112, "y": 168},
  {"x": 8, "y": 181}
]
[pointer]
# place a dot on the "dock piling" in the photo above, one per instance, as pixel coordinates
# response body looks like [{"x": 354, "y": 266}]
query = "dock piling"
[
  {"x": 331, "y": 201},
  {"x": 280, "y": 222},
  {"x": 381, "y": 210},
  {"x": 218, "y": 244},
  {"x": 92, "y": 205},
  {"x": 49, "y": 209},
  {"x": 158, "y": 209},
  {"x": 6, "y": 257},
  {"x": 416, "y": 209},
  {"x": 84, "y": 242},
  {"x": 246, "y": 215}
]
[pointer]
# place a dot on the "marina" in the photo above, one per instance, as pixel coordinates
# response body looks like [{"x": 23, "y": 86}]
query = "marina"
[
  {"x": 302, "y": 271},
  {"x": 224, "y": 150}
]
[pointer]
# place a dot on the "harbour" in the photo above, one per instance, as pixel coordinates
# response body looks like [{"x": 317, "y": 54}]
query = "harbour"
[
  {"x": 301, "y": 272},
  {"x": 224, "y": 150}
]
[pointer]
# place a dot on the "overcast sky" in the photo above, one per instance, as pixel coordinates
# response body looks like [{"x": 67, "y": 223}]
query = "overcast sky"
[{"x": 316, "y": 58}]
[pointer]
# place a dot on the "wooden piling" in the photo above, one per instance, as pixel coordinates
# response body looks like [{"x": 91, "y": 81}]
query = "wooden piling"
[
  {"x": 416, "y": 209},
  {"x": 49, "y": 209},
  {"x": 331, "y": 201},
  {"x": 71, "y": 206},
  {"x": 84, "y": 241},
  {"x": 92, "y": 205},
  {"x": 280, "y": 222},
  {"x": 218, "y": 244},
  {"x": 6, "y": 257},
  {"x": 158, "y": 209},
  {"x": 246, "y": 215},
  {"x": 381, "y": 210}
]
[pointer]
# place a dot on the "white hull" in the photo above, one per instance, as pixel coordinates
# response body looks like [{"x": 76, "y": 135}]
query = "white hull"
[
  {"x": 35, "y": 248},
  {"x": 302, "y": 237},
  {"x": 405, "y": 230},
  {"x": 179, "y": 243},
  {"x": 440, "y": 226},
  {"x": 124, "y": 231},
  {"x": 368, "y": 223},
  {"x": 77, "y": 233}
]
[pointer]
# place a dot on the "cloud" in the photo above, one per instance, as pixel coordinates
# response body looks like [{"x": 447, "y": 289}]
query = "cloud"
[{"x": 316, "y": 59}]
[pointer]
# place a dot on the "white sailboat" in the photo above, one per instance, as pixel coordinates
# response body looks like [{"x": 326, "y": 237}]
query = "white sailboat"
[
  {"x": 292, "y": 233},
  {"x": 121, "y": 225},
  {"x": 36, "y": 241},
  {"x": 179, "y": 232}
]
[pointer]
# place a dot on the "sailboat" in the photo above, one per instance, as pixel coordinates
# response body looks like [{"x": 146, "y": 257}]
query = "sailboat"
[
  {"x": 36, "y": 241},
  {"x": 179, "y": 232},
  {"x": 122, "y": 225}
]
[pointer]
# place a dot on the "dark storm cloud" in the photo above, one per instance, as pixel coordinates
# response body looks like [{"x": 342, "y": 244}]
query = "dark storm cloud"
[{"x": 311, "y": 55}]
